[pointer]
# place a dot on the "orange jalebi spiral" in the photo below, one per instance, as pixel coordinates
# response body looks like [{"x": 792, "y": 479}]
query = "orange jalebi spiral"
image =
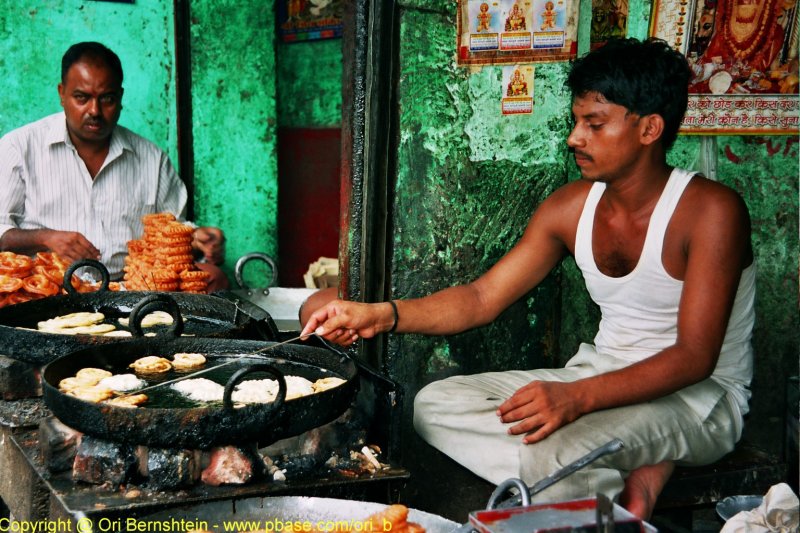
[
  {"x": 12, "y": 264},
  {"x": 52, "y": 273},
  {"x": 39, "y": 284},
  {"x": 9, "y": 284}
]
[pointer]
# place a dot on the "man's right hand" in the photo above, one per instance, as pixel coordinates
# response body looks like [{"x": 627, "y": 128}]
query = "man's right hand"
[
  {"x": 70, "y": 245},
  {"x": 343, "y": 322}
]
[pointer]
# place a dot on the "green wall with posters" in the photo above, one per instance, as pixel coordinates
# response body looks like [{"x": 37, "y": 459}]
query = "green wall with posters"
[{"x": 468, "y": 180}]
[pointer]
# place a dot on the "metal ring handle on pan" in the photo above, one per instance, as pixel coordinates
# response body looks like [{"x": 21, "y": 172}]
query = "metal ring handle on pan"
[
  {"x": 156, "y": 302},
  {"x": 237, "y": 376},
  {"x": 238, "y": 270},
  {"x": 81, "y": 263},
  {"x": 504, "y": 487}
]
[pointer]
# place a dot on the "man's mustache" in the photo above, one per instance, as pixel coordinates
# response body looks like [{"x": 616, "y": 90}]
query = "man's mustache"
[{"x": 582, "y": 155}]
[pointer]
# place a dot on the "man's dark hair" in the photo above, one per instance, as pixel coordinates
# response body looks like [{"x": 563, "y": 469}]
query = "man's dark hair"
[
  {"x": 646, "y": 77},
  {"x": 90, "y": 50}
]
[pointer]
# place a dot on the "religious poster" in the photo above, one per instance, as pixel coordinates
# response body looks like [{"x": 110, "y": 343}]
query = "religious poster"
[
  {"x": 744, "y": 60},
  {"x": 517, "y": 90},
  {"x": 609, "y": 21},
  {"x": 494, "y": 32},
  {"x": 306, "y": 20}
]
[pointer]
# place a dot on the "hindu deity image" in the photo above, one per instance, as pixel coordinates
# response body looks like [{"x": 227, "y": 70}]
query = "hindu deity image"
[
  {"x": 516, "y": 19},
  {"x": 548, "y": 16},
  {"x": 744, "y": 46},
  {"x": 484, "y": 18},
  {"x": 517, "y": 86}
]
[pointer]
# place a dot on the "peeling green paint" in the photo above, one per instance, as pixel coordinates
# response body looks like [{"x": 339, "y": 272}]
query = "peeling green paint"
[{"x": 468, "y": 179}]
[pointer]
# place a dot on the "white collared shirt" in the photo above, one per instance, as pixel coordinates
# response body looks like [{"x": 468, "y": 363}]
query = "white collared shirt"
[{"x": 45, "y": 184}]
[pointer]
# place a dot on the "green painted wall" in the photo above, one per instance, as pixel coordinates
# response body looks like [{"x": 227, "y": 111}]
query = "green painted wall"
[
  {"x": 233, "y": 74},
  {"x": 34, "y": 36},
  {"x": 468, "y": 180},
  {"x": 234, "y": 122},
  {"x": 309, "y": 84}
]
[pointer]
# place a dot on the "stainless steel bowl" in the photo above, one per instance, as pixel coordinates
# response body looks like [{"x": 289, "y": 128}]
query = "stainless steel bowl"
[
  {"x": 732, "y": 505},
  {"x": 295, "y": 509}
]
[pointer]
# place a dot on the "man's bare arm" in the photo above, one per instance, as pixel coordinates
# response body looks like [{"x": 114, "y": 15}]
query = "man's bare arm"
[
  {"x": 70, "y": 245},
  {"x": 545, "y": 241}
]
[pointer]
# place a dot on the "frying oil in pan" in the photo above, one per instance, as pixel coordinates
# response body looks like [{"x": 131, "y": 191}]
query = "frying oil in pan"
[{"x": 168, "y": 398}]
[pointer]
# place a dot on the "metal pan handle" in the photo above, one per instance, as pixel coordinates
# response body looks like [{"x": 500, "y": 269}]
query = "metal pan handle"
[
  {"x": 234, "y": 380},
  {"x": 238, "y": 270},
  {"x": 504, "y": 487},
  {"x": 91, "y": 263},
  {"x": 156, "y": 302}
]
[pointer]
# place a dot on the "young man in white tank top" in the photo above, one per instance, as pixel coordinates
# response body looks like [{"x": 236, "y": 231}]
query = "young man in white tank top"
[{"x": 666, "y": 255}]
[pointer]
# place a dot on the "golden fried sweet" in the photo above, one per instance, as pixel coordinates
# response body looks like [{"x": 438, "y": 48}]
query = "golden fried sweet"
[
  {"x": 94, "y": 329},
  {"x": 72, "y": 383},
  {"x": 187, "y": 361},
  {"x": 92, "y": 375},
  {"x": 151, "y": 365},
  {"x": 323, "y": 384},
  {"x": 72, "y": 320},
  {"x": 134, "y": 400},
  {"x": 91, "y": 393}
]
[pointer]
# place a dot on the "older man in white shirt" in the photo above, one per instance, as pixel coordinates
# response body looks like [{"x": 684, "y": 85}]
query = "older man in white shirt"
[{"x": 78, "y": 184}]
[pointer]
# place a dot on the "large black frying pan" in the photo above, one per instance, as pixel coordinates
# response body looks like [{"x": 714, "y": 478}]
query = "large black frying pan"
[
  {"x": 173, "y": 422},
  {"x": 204, "y": 315}
]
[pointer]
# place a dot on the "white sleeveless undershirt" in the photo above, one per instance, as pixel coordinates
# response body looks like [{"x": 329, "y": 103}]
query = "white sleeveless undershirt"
[{"x": 640, "y": 309}]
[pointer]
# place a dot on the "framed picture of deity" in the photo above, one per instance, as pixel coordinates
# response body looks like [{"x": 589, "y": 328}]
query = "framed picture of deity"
[
  {"x": 744, "y": 60},
  {"x": 309, "y": 20},
  {"x": 507, "y": 32}
]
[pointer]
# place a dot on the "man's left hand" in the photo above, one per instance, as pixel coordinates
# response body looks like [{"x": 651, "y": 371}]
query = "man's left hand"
[
  {"x": 211, "y": 242},
  {"x": 540, "y": 407}
]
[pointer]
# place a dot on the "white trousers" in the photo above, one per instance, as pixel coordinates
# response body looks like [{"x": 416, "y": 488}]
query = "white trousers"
[{"x": 457, "y": 416}]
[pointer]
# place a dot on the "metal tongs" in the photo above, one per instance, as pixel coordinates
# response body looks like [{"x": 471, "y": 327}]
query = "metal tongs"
[{"x": 526, "y": 493}]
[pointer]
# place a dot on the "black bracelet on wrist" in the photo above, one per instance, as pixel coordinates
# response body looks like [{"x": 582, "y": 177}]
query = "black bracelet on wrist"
[{"x": 396, "y": 316}]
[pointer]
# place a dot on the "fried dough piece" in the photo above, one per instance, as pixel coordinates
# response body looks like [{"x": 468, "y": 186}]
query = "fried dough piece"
[
  {"x": 91, "y": 393},
  {"x": 156, "y": 318},
  {"x": 151, "y": 365},
  {"x": 118, "y": 333},
  {"x": 187, "y": 361},
  {"x": 134, "y": 400},
  {"x": 393, "y": 518},
  {"x": 72, "y": 320},
  {"x": 92, "y": 376},
  {"x": 323, "y": 384},
  {"x": 72, "y": 383},
  {"x": 94, "y": 329}
]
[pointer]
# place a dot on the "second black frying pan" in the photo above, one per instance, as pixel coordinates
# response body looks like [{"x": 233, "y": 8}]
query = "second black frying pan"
[{"x": 203, "y": 316}]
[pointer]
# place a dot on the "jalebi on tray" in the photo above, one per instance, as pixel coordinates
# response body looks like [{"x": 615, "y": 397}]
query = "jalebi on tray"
[{"x": 24, "y": 278}]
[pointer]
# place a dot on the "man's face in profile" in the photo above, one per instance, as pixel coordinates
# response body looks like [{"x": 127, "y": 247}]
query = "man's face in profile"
[{"x": 91, "y": 96}]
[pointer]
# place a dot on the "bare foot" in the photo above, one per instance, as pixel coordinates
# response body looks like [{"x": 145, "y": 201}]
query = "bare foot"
[{"x": 643, "y": 487}]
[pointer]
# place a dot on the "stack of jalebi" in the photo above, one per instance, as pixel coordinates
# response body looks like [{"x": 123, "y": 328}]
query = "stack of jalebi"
[
  {"x": 24, "y": 278},
  {"x": 162, "y": 259}
]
